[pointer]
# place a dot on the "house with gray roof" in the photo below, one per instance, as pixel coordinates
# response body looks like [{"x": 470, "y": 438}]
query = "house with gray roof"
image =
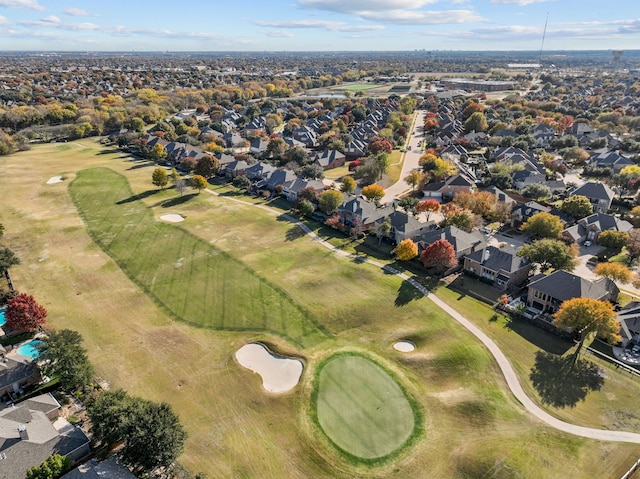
[
  {"x": 329, "y": 159},
  {"x": 110, "y": 468},
  {"x": 500, "y": 266},
  {"x": 405, "y": 226},
  {"x": 463, "y": 243},
  {"x": 16, "y": 372},
  {"x": 590, "y": 227},
  {"x": 629, "y": 319},
  {"x": 599, "y": 194},
  {"x": 358, "y": 211},
  {"x": 28, "y": 437},
  {"x": 546, "y": 294}
]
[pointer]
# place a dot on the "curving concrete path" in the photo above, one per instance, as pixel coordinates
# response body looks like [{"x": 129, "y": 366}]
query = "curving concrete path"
[{"x": 503, "y": 363}]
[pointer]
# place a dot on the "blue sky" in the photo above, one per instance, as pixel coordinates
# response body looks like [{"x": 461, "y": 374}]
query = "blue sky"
[{"x": 303, "y": 25}]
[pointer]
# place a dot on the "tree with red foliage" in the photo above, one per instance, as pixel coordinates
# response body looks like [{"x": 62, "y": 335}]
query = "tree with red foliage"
[
  {"x": 24, "y": 314},
  {"x": 439, "y": 255},
  {"x": 379, "y": 144}
]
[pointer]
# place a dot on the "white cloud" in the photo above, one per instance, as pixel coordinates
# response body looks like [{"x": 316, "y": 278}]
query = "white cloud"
[
  {"x": 459, "y": 2},
  {"x": 517, "y": 2},
  {"x": 424, "y": 17},
  {"x": 355, "y": 6},
  {"x": 50, "y": 19},
  {"x": 78, "y": 12},
  {"x": 279, "y": 34},
  {"x": 3, "y": 20},
  {"x": 30, "y": 4},
  {"x": 320, "y": 24}
]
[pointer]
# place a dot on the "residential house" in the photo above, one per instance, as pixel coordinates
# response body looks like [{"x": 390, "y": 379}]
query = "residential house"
[
  {"x": 544, "y": 135},
  {"x": 629, "y": 319},
  {"x": 277, "y": 179},
  {"x": 590, "y": 227},
  {"x": 329, "y": 159},
  {"x": 28, "y": 437},
  {"x": 259, "y": 171},
  {"x": 236, "y": 168},
  {"x": 449, "y": 188},
  {"x": 500, "y": 266},
  {"x": 258, "y": 147},
  {"x": 233, "y": 140},
  {"x": 502, "y": 197},
  {"x": 405, "y": 226},
  {"x": 358, "y": 211},
  {"x": 545, "y": 295},
  {"x": 16, "y": 372},
  {"x": 610, "y": 159},
  {"x": 598, "y": 193},
  {"x": 463, "y": 243},
  {"x": 290, "y": 189},
  {"x": 110, "y": 468}
]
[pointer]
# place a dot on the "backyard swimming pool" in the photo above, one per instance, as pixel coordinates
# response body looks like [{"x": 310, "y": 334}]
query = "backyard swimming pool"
[
  {"x": 30, "y": 349},
  {"x": 2, "y": 317}
]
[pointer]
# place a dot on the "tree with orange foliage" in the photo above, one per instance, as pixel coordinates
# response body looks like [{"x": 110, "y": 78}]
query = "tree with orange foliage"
[{"x": 428, "y": 207}]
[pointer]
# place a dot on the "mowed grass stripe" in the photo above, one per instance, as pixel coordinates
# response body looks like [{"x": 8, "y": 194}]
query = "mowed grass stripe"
[
  {"x": 188, "y": 277},
  {"x": 362, "y": 409}
]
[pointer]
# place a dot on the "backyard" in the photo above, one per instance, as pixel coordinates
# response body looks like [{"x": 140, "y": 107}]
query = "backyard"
[{"x": 127, "y": 314}]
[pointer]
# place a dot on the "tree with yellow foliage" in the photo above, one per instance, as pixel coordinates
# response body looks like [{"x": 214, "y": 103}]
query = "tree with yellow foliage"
[
  {"x": 406, "y": 250},
  {"x": 588, "y": 318}
]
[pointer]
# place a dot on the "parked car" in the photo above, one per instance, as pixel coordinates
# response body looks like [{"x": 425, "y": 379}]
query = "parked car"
[{"x": 587, "y": 243}]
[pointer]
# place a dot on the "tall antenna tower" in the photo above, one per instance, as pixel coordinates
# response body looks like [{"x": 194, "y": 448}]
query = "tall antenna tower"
[{"x": 544, "y": 33}]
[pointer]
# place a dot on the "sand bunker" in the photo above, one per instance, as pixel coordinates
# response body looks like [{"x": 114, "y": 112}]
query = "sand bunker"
[
  {"x": 278, "y": 374},
  {"x": 54, "y": 179},
  {"x": 172, "y": 218},
  {"x": 404, "y": 346}
]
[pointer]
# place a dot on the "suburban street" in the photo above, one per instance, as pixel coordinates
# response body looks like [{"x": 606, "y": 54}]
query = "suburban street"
[{"x": 411, "y": 158}]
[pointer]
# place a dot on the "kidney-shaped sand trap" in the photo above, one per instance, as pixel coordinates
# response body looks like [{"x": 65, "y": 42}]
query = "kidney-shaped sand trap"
[
  {"x": 278, "y": 374},
  {"x": 404, "y": 346},
  {"x": 54, "y": 179},
  {"x": 172, "y": 218}
]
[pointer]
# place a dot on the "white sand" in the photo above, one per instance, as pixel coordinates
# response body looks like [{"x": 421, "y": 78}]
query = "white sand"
[
  {"x": 278, "y": 374},
  {"x": 172, "y": 218},
  {"x": 54, "y": 179},
  {"x": 404, "y": 346}
]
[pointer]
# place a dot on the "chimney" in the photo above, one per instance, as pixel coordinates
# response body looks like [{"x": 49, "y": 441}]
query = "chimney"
[
  {"x": 486, "y": 254},
  {"x": 22, "y": 430}
]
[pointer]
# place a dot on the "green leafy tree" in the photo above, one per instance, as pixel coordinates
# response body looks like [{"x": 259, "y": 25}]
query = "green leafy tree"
[
  {"x": 383, "y": 229},
  {"x": 241, "y": 182},
  {"x": 406, "y": 250},
  {"x": 537, "y": 191},
  {"x": 613, "y": 239},
  {"x": 305, "y": 208},
  {"x": 348, "y": 185},
  {"x": 64, "y": 357},
  {"x": 586, "y": 316},
  {"x": 409, "y": 204},
  {"x": 1, "y": 230},
  {"x": 476, "y": 122},
  {"x": 160, "y": 178},
  {"x": 544, "y": 224},
  {"x": 54, "y": 467},
  {"x": 577, "y": 206},
  {"x": 174, "y": 176},
  {"x": 329, "y": 200},
  {"x": 150, "y": 433},
  {"x": 198, "y": 182},
  {"x": 550, "y": 253},
  {"x": 7, "y": 259}
]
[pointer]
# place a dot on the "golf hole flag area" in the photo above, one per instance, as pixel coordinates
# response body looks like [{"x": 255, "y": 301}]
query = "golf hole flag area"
[{"x": 362, "y": 409}]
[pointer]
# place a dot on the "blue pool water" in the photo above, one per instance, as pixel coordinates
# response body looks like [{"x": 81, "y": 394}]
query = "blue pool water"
[
  {"x": 2, "y": 318},
  {"x": 30, "y": 349}
]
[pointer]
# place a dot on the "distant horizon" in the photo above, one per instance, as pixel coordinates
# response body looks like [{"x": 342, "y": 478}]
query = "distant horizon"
[{"x": 317, "y": 25}]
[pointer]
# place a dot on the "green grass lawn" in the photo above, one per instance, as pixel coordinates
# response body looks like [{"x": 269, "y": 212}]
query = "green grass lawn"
[
  {"x": 361, "y": 86},
  {"x": 193, "y": 280},
  {"x": 361, "y": 408}
]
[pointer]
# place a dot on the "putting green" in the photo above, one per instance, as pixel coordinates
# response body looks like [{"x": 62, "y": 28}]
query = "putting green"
[{"x": 362, "y": 409}]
